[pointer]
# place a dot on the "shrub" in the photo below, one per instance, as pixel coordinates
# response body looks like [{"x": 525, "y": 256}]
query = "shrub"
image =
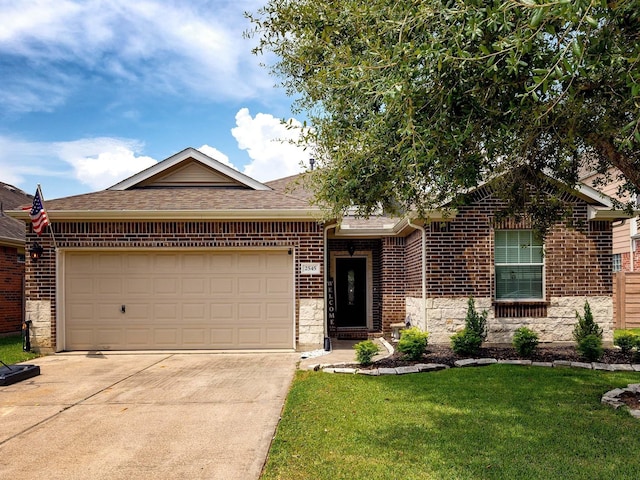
[
  {"x": 365, "y": 351},
  {"x": 525, "y": 341},
  {"x": 413, "y": 343},
  {"x": 590, "y": 347},
  {"x": 586, "y": 326},
  {"x": 466, "y": 342},
  {"x": 627, "y": 341},
  {"x": 476, "y": 322}
]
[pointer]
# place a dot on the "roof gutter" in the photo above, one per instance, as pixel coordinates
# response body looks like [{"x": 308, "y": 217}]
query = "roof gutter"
[{"x": 229, "y": 214}]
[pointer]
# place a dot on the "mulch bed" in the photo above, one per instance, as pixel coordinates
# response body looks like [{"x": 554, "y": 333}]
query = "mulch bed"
[{"x": 444, "y": 355}]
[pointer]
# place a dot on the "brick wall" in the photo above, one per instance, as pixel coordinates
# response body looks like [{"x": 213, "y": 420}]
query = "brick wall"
[
  {"x": 393, "y": 281},
  {"x": 460, "y": 254},
  {"x": 305, "y": 237},
  {"x": 10, "y": 290}
]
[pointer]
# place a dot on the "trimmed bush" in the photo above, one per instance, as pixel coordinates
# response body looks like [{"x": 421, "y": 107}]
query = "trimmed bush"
[
  {"x": 627, "y": 341},
  {"x": 586, "y": 325},
  {"x": 466, "y": 342},
  {"x": 365, "y": 351},
  {"x": 413, "y": 343},
  {"x": 525, "y": 341},
  {"x": 476, "y": 322},
  {"x": 590, "y": 347}
]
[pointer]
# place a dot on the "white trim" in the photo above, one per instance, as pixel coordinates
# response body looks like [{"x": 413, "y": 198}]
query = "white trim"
[{"x": 186, "y": 154}]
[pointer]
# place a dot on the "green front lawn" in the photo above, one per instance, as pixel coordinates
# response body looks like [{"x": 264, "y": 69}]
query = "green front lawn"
[
  {"x": 11, "y": 350},
  {"x": 497, "y": 422}
]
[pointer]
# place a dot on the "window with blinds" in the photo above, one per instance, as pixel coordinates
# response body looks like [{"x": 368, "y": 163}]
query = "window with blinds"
[{"x": 519, "y": 265}]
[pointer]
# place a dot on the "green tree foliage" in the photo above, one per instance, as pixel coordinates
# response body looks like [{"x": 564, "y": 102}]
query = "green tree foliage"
[{"x": 413, "y": 102}]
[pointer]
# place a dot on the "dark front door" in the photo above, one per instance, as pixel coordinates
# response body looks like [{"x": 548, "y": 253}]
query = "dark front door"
[{"x": 351, "y": 292}]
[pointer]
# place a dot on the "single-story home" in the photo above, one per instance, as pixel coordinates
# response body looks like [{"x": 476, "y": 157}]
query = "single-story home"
[
  {"x": 192, "y": 254},
  {"x": 12, "y": 261}
]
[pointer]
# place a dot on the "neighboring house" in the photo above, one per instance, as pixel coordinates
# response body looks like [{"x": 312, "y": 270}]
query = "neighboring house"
[
  {"x": 625, "y": 257},
  {"x": 12, "y": 261},
  {"x": 192, "y": 254},
  {"x": 626, "y": 254}
]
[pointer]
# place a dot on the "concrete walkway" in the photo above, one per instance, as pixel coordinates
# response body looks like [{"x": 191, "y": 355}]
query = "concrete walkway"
[{"x": 144, "y": 416}]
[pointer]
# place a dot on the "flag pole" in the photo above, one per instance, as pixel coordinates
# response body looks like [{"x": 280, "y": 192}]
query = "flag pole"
[{"x": 53, "y": 237}]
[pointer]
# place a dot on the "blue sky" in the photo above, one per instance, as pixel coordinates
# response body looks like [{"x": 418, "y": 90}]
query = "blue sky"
[{"x": 94, "y": 91}]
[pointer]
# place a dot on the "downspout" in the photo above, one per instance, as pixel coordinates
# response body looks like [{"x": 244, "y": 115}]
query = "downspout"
[
  {"x": 425, "y": 315},
  {"x": 327, "y": 341}
]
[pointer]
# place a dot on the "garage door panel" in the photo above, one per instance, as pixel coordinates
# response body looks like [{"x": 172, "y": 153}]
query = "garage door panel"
[
  {"x": 195, "y": 337},
  {"x": 223, "y": 312},
  {"x": 137, "y": 285},
  {"x": 195, "y": 311},
  {"x": 165, "y": 311},
  {"x": 139, "y": 337},
  {"x": 105, "y": 264},
  {"x": 278, "y": 285},
  {"x": 250, "y": 286},
  {"x": 166, "y": 337},
  {"x": 250, "y": 336},
  {"x": 165, "y": 286},
  {"x": 111, "y": 286},
  {"x": 138, "y": 312},
  {"x": 179, "y": 300},
  {"x": 277, "y": 336},
  {"x": 195, "y": 286},
  {"x": 106, "y": 337},
  {"x": 223, "y": 263},
  {"x": 222, "y": 286}
]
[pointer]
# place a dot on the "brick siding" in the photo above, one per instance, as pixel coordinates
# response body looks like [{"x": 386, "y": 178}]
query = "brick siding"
[
  {"x": 10, "y": 290},
  {"x": 305, "y": 237}
]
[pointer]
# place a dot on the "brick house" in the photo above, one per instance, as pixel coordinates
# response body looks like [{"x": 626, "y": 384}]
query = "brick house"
[
  {"x": 192, "y": 254},
  {"x": 12, "y": 261}
]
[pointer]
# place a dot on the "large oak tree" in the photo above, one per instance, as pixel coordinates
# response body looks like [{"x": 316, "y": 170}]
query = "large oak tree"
[{"x": 413, "y": 101}]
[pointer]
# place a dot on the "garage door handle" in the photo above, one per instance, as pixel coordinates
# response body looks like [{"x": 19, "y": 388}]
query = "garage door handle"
[{"x": 123, "y": 309}]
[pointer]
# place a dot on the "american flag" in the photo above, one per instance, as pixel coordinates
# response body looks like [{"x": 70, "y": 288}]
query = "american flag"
[{"x": 38, "y": 214}]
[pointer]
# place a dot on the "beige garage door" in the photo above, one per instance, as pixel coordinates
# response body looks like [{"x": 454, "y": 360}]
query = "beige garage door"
[{"x": 178, "y": 300}]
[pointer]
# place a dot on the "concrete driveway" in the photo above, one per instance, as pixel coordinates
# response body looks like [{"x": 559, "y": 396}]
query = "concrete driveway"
[{"x": 144, "y": 416}]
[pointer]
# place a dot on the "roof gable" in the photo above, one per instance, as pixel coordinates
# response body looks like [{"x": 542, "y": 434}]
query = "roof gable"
[{"x": 189, "y": 168}]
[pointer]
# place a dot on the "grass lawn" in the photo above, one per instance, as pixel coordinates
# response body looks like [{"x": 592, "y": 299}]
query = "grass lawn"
[
  {"x": 497, "y": 422},
  {"x": 11, "y": 350}
]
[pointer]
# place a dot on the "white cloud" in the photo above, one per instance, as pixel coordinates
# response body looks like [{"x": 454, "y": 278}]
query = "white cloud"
[
  {"x": 102, "y": 162},
  {"x": 95, "y": 162},
  {"x": 216, "y": 155},
  {"x": 151, "y": 45},
  {"x": 268, "y": 144}
]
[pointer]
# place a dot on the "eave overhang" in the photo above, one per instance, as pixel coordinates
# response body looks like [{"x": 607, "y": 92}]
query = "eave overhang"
[
  {"x": 401, "y": 228},
  {"x": 173, "y": 215},
  {"x": 606, "y": 214}
]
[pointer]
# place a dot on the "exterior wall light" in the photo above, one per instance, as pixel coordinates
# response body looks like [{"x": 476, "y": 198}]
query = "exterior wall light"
[{"x": 36, "y": 251}]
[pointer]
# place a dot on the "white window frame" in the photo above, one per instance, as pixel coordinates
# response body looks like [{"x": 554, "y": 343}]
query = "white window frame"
[
  {"x": 507, "y": 264},
  {"x": 616, "y": 262}
]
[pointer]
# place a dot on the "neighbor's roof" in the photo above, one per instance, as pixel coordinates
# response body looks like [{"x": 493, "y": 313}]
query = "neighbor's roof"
[{"x": 12, "y": 231}]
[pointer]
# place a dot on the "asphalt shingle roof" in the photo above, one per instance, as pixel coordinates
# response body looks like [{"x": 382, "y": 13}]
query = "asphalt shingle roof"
[{"x": 12, "y": 198}]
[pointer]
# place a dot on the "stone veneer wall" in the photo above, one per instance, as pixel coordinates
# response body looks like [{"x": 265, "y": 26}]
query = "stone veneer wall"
[
  {"x": 311, "y": 328},
  {"x": 306, "y": 237},
  {"x": 445, "y": 316}
]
